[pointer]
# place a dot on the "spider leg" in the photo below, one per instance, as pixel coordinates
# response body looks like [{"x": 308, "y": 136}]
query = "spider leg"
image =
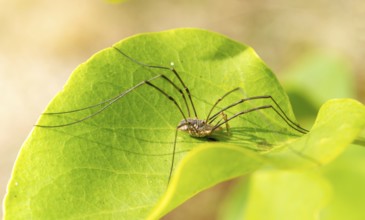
[
  {"x": 276, "y": 107},
  {"x": 111, "y": 101},
  {"x": 219, "y": 100},
  {"x": 225, "y": 118},
  {"x": 119, "y": 96},
  {"x": 257, "y": 109},
  {"x": 173, "y": 158}
]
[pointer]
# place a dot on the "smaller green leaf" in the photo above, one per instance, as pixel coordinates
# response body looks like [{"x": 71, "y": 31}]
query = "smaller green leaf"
[
  {"x": 204, "y": 167},
  {"x": 285, "y": 195},
  {"x": 347, "y": 177},
  {"x": 338, "y": 124}
]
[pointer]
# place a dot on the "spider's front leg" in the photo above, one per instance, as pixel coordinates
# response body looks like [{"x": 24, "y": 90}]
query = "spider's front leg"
[{"x": 225, "y": 119}]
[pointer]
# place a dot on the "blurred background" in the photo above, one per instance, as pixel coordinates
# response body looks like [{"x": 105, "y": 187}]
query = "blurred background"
[{"x": 41, "y": 42}]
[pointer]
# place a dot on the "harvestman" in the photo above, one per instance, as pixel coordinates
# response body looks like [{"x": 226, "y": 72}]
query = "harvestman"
[{"x": 195, "y": 126}]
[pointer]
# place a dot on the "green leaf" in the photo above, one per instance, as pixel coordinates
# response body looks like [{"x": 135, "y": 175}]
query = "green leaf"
[
  {"x": 340, "y": 184},
  {"x": 339, "y": 122},
  {"x": 116, "y": 164},
  {"x": 347, "y": 177}
]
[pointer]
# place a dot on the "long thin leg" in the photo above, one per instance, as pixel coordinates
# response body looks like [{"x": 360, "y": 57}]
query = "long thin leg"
[
  {"x": 211, "y": 119},
  {"x": 256, "y": 109},
  {"x": 165, "y": 68},
  {"x": 111, "y": 101},
  {"x": 187, "y": 91},
  {"x": 119, "y": 96},
  {"x": 173, "y": 157},
  {"x": 281, "y": 112}
]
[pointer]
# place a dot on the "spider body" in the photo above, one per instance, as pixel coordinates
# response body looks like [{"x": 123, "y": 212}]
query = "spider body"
[{"x": 197, "y": 127}]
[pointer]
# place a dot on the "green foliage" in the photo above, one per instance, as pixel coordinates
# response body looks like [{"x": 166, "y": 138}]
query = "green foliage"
[
  {"x": 316, "y": 77},
  {"x": 116, "y": 164}
]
